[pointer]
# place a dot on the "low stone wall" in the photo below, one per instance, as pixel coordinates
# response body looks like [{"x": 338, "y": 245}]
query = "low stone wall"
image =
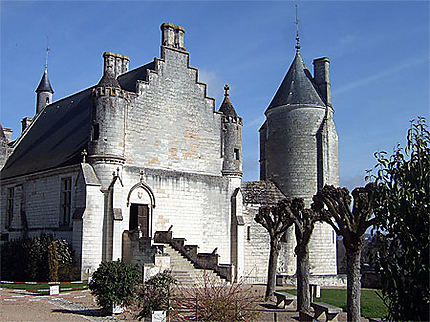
[{"x": 322, "y": 280}]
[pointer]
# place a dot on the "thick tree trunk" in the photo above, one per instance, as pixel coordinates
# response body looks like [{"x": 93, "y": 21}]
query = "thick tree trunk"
[
  {"x": 273, "y": 263},
  {"x": 353, "y": 284},
  {"x": 303, "y": 300}
]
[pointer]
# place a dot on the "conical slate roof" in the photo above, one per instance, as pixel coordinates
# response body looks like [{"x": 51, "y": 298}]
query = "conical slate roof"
[
  {"x": 109, "y": 80},
  {"x": 44, "y": 85},
  {"x": 297, "y": 87},
  {"x": 226, "y": 106}
]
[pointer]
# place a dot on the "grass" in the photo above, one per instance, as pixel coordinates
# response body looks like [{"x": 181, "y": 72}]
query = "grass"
[
  {"x": 371, "y": 305},
  {"x": 44, "y": 288}
]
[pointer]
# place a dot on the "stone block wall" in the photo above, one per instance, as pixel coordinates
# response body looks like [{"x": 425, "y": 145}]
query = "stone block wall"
[
  {"x": 172, "y": 124},
  {"x": 37, "y": 206}
]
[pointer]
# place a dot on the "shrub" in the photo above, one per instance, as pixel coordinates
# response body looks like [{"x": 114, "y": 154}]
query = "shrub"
[
  {"x": 154, "y": 294},
  {"x": 215, "y": 302},
  {"x": 53, "y": 262},
  {"x": 114, "y": 283},
  {"x": 29, "y": 260}
]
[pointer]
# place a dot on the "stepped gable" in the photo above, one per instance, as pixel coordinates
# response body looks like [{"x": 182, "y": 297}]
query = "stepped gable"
[
  {"x": 261, "y": 192},
  {"x": 298, "y": 87},
  {"x": 128, "y": 80},
  {"x": 56, "y": 138}
]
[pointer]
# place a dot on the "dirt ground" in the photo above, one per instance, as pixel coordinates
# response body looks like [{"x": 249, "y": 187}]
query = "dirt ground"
[{"x": 81, "y": 306}]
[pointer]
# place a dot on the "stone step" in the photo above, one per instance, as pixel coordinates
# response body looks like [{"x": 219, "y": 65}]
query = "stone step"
[{"x": 184, "y": 271}]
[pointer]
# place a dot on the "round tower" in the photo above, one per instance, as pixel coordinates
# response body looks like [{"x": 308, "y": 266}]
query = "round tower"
[
  {"x": 106, "y": 147},
  {"x": 44, "y": 92},
  {"x": 298, "y": 149},
  {"x": 231, "y": 138}
]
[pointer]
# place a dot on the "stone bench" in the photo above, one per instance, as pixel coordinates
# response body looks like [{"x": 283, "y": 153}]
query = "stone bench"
[
  {"x": 286, "y": 298},
  {"x": 325, "y": 311}
]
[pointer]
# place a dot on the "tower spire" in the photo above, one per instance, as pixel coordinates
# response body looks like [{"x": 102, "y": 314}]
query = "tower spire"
[
  {"x": 47, "y": 54},
  {"x": 297, "y": 32}
]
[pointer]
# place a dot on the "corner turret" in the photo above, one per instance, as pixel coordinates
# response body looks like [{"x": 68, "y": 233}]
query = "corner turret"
[
  {"x": 109, "y": 104},
  {"x": 44, "y": 92},
  {"x": 231, "y": 138}
]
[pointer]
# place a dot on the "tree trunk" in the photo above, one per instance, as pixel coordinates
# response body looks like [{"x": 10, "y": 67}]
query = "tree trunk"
[
  {"x": 273, "y": 263},
  {"x": 303, "y": 300},
  {"x": 353, "y": 284}
]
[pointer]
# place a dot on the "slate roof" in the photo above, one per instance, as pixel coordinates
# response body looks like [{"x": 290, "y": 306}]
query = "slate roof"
[
  {"x": 44, "y": 85},
  {"x": 55, "y": 138},
  {"x": 261, "y": 192},
  {"x": 62, "y": 130},
  {"x": 227, "y": 107},
  {"x": 129, "y": 79},
  {"x": 109, "y": 80},
  {"x": 298, "y": 87}
]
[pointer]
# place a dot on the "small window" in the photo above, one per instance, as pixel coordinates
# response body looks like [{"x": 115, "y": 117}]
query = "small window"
[
  {"x": 47, "y": 100},
  {"x": 66, "y": 201},
  {"x": 96, "y": 131},
  {"x": 236, "y": 154},
  {"x": 9, "y": 205},
  {"x": 332, "y": 237},
  {"x": 248, "y": 233}
]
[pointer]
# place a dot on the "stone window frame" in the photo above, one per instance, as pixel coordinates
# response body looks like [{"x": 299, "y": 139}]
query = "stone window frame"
[
  {"x": 66, "y": 192},
  {"x": 10, "y": 200}
]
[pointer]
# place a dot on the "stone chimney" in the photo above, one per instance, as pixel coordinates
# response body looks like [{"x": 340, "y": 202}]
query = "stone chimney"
[
  {"x": 172, "y": 36},
  {"x": 115, "y": 64},
  {"x": 8, "y": 133},
  {"x": 322, "y": 77},
  {"x": 25, "y": 122}
]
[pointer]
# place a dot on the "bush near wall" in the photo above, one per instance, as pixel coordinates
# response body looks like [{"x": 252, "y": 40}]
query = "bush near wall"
[{"x": 38, "y": 259}]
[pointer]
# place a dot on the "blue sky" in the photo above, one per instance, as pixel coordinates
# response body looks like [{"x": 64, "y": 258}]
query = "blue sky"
[{"x": 379, "y": 52}]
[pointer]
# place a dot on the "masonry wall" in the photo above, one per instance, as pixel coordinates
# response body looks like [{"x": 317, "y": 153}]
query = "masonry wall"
[
  {"x": 37, "y": 204},
  {"x": 173, "y": 124},
  {"x": 197, "y": 206}
]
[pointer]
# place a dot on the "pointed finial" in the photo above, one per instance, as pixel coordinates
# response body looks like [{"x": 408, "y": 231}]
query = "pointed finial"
[
  {"x": 297, "y": 32},
  {"x": 226, "y": 89},
  {"x": 84, "y": 154},
  {"x": 47, "y": 54}
]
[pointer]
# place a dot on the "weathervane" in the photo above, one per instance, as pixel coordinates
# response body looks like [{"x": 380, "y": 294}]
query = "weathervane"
[
  {"x": 47, "y": 53},
  {"x": 297, "y": 31}
]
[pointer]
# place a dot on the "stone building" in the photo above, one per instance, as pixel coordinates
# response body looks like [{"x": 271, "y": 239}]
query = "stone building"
[{"x": 144, "y": 161}]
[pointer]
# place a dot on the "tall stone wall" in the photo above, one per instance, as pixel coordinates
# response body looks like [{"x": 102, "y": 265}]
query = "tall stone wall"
[{"x": 173, "y": 124}]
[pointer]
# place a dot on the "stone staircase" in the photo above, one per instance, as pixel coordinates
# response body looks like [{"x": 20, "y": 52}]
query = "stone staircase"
[{"x": 184, "y": 271}]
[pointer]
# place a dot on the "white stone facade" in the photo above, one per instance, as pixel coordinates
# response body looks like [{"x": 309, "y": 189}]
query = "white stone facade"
[{"x": 159, "y": 156}]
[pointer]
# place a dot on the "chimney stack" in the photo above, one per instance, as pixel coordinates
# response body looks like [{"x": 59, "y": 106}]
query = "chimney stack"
[
  {"x": 322, "y": 77},
  {"x": 115, "y": 64},
  {"x": 8, "y": 134},
  {"x": 25, "y": 122},
  {"x": 172, "y": 36}
]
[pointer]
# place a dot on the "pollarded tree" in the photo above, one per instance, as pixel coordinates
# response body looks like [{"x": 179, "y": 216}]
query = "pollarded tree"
[
  {"x": 304, "y": 223},
  {"x": 334, "y": 206},
  {"x": 403, "y": 204},
  {"x": 276, "y": 221}
]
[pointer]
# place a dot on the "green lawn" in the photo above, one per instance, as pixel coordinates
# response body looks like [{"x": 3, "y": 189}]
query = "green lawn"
[
  {"x": 371, "y": 305},
  {"x": 64, "y": 287}
]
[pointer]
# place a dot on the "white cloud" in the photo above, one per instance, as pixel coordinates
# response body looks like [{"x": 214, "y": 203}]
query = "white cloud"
[{"x": 380, "y": 75}]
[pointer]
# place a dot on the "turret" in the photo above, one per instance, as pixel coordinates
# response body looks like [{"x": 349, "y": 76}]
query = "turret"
[
  {"x": 44, "y": 92},
  {"x": 109, "y": 103},
  {"x": 231, "y": 138}
]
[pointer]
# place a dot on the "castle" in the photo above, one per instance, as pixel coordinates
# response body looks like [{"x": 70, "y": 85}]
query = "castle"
[{"x": 145, "y": 157}]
